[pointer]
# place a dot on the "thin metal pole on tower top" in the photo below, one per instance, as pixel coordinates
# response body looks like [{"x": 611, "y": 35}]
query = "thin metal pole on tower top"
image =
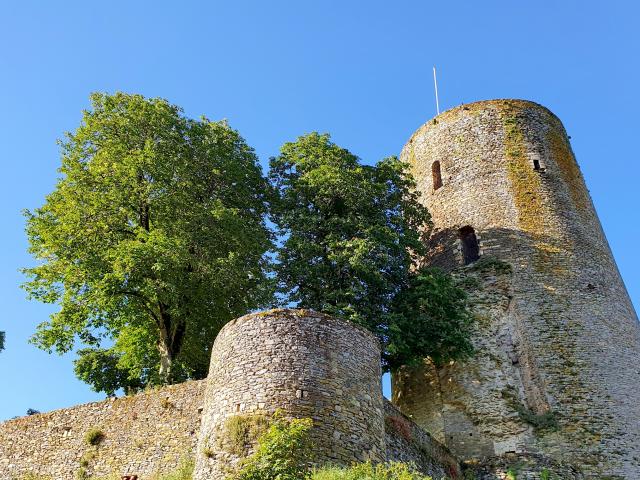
[{"x": 435, "y": 84}]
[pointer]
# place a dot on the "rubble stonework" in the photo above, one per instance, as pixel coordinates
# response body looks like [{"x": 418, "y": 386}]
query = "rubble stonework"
[
  {"x": 306, "y": 364},
  {"x": 557, "y": 347},
  {"x": 143, "y": 434}
]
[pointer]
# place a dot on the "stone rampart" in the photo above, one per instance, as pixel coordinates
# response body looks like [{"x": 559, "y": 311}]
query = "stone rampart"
[
  {"x": 301, "y": 362},
  {"x": 145, "y": 434}
]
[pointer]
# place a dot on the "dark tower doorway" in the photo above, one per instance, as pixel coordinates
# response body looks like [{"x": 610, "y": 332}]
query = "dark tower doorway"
[{"x": 470, "y": 245}]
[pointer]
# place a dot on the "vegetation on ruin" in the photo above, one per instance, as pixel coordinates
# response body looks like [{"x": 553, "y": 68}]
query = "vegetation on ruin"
[
  {"x": 153, "y": 238},
  {"x": 242, "y": 431},
  {"x": 368, "y": 471},
  {"x": 283, "y": 453},
  {"x": 93, "y": 436},
  {"x": 351, "y": 235},
  {"x": 156, "y": 235}
]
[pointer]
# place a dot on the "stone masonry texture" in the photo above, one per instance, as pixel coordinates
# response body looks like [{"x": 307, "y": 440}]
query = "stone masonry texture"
[
  {"x": 144, "y": 434},
  {"x": 314, "y": 366},
  {"x": 307, "y": 365},
  {"x": 557, "y": 336}
]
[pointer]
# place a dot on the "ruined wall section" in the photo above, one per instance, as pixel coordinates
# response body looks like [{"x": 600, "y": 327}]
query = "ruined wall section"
[
  {"x": 306, "y": 364},
  {"x": 406, "y": 442},
  {"x": 143, "y": 434},
  {"x": 508, "y": 171}
]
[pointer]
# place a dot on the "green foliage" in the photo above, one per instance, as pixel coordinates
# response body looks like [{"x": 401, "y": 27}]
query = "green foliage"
[
  {"x": 349, "y": 228},
  {"x": 487, "y": 262},
  {"x": 153, "y": 238},
  {"x": 429, "y": 319},
  {"x": 100, "y": 369},
  {"x": 283, "y": 452},
  {"x": 367, "y": 471},
  {"x": 183, "y": 472},
  {"x": 94, "y": 436},
  {"x": 82, "y": 474},
  {"x": 242, "y": 430},
  {"x": 541, "y": 422},
  {"x": 351, "y": 235}
]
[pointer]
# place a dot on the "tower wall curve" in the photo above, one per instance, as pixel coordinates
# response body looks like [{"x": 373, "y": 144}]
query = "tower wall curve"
[
  {"x": 305, "y": 364},
  {"x": 561, "y": 339}
]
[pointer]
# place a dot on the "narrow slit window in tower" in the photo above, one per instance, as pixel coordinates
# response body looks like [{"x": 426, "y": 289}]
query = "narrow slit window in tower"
[
  {"x": 536, "y": 164},
  {"x": 437, "y": 177},
  {"x": 470, "y": 245}
]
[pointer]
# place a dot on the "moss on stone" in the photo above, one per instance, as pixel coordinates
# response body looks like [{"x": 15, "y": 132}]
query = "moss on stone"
[
  {"x": 94, "y": 436},
  {"x": 525, "y": 182}
]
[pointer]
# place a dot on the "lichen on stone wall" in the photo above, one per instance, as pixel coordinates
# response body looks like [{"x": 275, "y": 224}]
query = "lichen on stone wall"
[{"x": 525, "y": 182}]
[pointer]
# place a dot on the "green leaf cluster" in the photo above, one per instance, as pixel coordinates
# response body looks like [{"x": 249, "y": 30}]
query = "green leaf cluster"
[
  {"x": 153, "y": 238},
  {"x": 352, "y": 234},
  {"x": 283, "y": 452},
  {"x": 429, "y": 317}
]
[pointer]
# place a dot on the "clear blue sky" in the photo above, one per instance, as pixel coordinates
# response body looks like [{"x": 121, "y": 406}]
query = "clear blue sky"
[{"x": 360, "y": 70}]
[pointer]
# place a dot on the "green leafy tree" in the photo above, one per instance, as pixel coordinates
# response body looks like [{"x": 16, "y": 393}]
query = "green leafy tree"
[
  {"x": 351, "y": 234},
  {"x": 349, "y": 229},
  {"x": 153, "y": 238},
  {"x": 429, "y": 318}
]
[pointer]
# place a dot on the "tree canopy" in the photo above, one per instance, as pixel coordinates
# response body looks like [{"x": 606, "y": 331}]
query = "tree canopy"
[
  {"x": 153, "y": 238},
  {"x": 351, "y": 236}
]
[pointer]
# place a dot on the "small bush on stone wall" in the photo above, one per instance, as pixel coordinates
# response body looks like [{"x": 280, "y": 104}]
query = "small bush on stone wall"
[
  {"x": 241, "y": 431},
  {"x": 367, "y": 471},
  {"x": 94, "y": 436},
  {"x": 183, "y": 472},
  {"x": 283, "y": 452}
]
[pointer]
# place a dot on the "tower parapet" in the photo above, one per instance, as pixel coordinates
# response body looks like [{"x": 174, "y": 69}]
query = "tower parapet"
[{"x": 559, "y": 339}]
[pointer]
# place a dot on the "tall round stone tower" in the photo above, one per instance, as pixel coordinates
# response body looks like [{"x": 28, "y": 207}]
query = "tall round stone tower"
[{"x": 557, "y": 368}]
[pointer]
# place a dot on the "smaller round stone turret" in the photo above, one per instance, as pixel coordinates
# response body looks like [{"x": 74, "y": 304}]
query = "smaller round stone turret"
[{"x": 306, "y": 364}]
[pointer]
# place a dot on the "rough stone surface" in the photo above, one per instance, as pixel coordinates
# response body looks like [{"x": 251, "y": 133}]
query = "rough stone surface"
[
  {"x": 408, "y": 443},
  {"x": 558, "y": 337},
  {"x": 307, "y": 365},
  {"x": 143, "y": 434},
  {"x": 522, "y": 467}
]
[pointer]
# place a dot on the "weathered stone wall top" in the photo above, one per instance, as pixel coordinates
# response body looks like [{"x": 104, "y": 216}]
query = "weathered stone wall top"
[{"x": 143, "y": 434}]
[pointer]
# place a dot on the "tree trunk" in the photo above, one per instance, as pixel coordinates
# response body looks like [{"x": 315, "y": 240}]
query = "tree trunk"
[{"x": 169, "y": 343}]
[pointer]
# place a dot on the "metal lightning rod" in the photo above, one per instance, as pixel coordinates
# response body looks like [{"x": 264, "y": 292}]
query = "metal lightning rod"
[{"x": 435, "y": 84}]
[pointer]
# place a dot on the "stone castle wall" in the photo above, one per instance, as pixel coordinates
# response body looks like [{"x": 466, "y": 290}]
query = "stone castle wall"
[
  {"x": 562, "y": 333},
  {"x": 311, "y": 366},
  {"x": 308, "y": 365},
  {"x": 144, "y": 434}
]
